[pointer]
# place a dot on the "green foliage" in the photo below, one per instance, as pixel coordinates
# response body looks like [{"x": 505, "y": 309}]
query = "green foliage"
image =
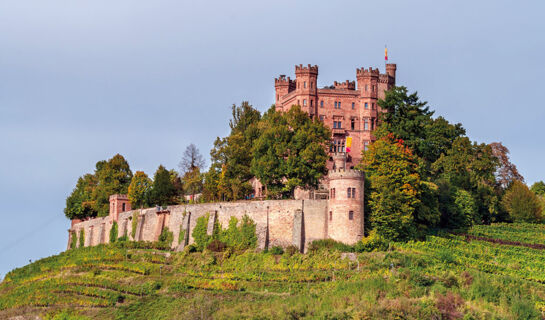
[
  {"x": 522, "y": 204},
  {"x": 410, "y": 119},
  {"x": 91, "y": 196},
  {"x": 114, "y": 232},
  {"x": 538, "y": 188},
  {"x": 239, "y": 236},
  {"x": 199, "y": 234},
  {"x": 395, "y": 188},
  {"x": 373, "y": 242},
  {"x": 227, "y": 178},
  {"x": 82, "y": 238},
  {"x": 466, "y": 208},
  {"x": 277, "y": 250},
  {"x": 73, "y": 240},
  {"x": 139, "y": 190},
  {"x": 329, "y": 244},
  {"x": 181, "y": 235},
  {"x": 290, "y": 151},
  {"x": 166, "y": 237},
  {"x": 134, "y": 224},
  {"x": 193, "y": 181},
  {"x": 163, "y": 192}
]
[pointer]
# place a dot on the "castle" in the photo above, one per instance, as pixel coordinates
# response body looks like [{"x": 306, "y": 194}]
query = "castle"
[
  {"x": 338, "y": 214},
  {"x": 349, "y": 111}
]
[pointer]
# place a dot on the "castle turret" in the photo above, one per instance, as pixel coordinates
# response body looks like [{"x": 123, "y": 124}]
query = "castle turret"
[
  {"x": 307, "y": 91},
  {"x": 282, "y": 86},
  {"x": 345, "y": 211},
  {"x": 118, "y": 203}
]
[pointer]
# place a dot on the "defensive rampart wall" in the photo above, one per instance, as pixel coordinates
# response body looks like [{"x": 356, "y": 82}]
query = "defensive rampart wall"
[{"x": 278, "y": 222}]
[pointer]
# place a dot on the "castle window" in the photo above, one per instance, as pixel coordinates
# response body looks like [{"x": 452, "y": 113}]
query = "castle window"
[
  {"x": 311, "y": 102},
  {"x": 322, "y": 103},
  {"x": 123, "y": 208},
  {"x": 332, "y": 193},
  {"x": 330, "y": 215},
  {"x": 366, "y": 88},
  {"x": 366, "y": 124},
  {"x": 352, "y": 124},
  {"x": 372, "y": 125},
  {"x": 339, "y": 104},
  {"x": 304, "y": 84},
  {"x": 350, "y": 215},
  {"x": 353, "y": 105},
  {"x": 365, "y": 146},
  {"x": 304, "y": 102},
  {"x": 334, "y": 124},
  {"x": 349, "y": 193},
  {"x": 373, "y": 106},
  {"x": 366, "y": 105},
  {"x": 335, "y": 104},
  {"x": 337, "y": 146}
]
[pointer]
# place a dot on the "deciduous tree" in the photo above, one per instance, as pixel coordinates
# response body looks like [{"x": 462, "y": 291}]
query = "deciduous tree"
[
  {"x": 139, "y": 190},
  {"x": 522, "y": 204}
]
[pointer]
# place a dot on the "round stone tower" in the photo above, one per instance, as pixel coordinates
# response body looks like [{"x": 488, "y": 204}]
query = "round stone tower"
[{"x": 345, "y": 212}]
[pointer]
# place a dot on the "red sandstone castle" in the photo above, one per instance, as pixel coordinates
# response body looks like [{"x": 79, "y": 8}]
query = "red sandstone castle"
[{"x": 349, "y": 110}]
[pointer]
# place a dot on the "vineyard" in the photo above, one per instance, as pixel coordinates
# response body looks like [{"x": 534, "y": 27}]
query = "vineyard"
[{"x": 447, "y": 277}]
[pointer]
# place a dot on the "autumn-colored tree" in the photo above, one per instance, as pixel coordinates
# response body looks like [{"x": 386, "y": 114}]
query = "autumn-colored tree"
[
  {"x": 139, "y": 190},
  {"x": 522, "y": 204},
  {"x": 290, "y": 151},
  {"x": 392, "y": 170},
  {"x": 506, "y": 172},
  {"x": 193, "y": 182}
]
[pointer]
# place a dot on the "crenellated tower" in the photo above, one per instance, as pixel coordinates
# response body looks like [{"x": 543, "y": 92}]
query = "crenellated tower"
[
  {"x": 345, "y": 217},
  {"x": 119, "y": 203},
  {"x": 306, "y": 87}
]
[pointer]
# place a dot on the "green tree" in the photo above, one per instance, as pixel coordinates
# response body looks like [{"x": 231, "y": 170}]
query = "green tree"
[
  {"x": 163, "y": 192},
  {"x": 113, "y": 232},
  {"x": 522, "y": 204},
  {"x": 538, "y": 188},
  {"x": 139, "y": 190},
  {"x": 114, "y": 177},
  {"x": 290, "y": 151},
  {"x": 80, "y": 203},
  {"x": 410, "y": 119},
  {"x": 392, "y": 170},
  {"x": 227, "y": 178}
]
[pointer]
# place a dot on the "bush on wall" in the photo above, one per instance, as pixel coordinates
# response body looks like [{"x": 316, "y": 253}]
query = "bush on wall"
[
  {"x": 134, "y": 223},
  {"x": 113, "y": 232},
  {"x": 73, "y": 239},
  {"x": 82, "y": 238},
  {"x": 166, "y": 237}
]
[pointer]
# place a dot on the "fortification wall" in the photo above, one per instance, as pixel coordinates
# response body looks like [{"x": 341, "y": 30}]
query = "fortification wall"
[{"x": 278, "y": 222}]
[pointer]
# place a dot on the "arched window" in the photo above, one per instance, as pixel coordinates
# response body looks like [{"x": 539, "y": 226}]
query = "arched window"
[{"x": 350, "y": 215}]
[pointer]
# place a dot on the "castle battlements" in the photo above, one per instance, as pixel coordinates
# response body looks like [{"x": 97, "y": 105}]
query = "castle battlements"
[
  {"x": 347, "y": 85},
  {"x": 362, "y": 72},
  {"x": 308, "y": 69}
]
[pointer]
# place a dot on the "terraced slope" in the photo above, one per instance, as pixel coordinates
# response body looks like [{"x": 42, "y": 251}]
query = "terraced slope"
[{"x": 442, "y": 278}]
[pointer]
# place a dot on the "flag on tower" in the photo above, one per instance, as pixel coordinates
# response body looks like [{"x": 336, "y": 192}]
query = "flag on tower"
[
  {"x": 348, "y": 143},
  {"x": 385, "y": 53}
]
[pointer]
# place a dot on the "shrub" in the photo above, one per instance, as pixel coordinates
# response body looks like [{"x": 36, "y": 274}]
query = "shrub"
[
  {"x": 200, "y": 235},
  {"x": 166, "y": 237},
  {"x": 291, "y": 250},
  {"x": 113, "y": 232},
  {"x": 240, "y": 236},
  {"x": 82, "y": 238},
  {"x": 329, "y": 244},
  {"x": 276, "y": 250},
  {"x": 73, "y": 240},
  {"x": 522, "y": 204},
  {"x": 373, "y": 242},
  {"x": 216, "y": 246},
  {"x": 123, "y": 238},
  {"x": 181, "y": 235},
  {"x": 134, "y": 224}
]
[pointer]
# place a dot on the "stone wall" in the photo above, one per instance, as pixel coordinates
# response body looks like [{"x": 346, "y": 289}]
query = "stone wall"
[{"x": 278, "y": 222}]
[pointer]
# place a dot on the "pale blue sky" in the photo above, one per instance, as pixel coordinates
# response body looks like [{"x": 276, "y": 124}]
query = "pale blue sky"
[{"x": 83, "y": 80}]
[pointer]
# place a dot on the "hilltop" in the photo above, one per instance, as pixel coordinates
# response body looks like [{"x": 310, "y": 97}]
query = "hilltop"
[{"x": 445, "y": 277}]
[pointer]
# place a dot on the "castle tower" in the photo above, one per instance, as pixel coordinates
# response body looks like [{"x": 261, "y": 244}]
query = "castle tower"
[
  {"x": 345, "y": 217},
  {"x": 306, "y": 81},
  {"x": 282, "y": 87},
  {"x": 119, "y": 203}
]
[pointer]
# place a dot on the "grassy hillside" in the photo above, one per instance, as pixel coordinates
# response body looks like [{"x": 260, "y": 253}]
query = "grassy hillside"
[{"x": 448, "y": 277}]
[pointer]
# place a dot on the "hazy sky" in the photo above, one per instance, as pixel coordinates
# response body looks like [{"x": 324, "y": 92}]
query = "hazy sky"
[{"x": 83, "y": 80}]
